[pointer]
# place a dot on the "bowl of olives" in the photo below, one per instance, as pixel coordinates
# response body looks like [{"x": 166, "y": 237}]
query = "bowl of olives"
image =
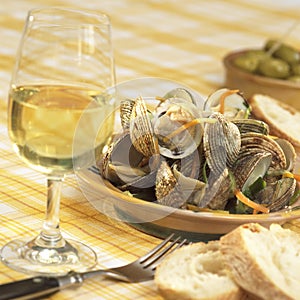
[{"x": 272, "y": 70}]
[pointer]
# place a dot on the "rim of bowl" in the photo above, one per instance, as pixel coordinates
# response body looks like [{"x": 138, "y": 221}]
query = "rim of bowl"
[{"x": 228, "y": 63}]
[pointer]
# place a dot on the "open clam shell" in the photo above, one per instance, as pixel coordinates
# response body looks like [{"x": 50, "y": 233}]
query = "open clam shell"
[
  {"x": 251, "y": 125},
  {"x": 121, "y": 163},
  {"x": 175, "y": 140},
  {"x": 254, "y": 143},
  {"x": 278, "y": 195},
  {"x": 217, "y": 191},
  {"x": 249, "y": 167},
  {"x": 180, "y": 93},
  {"x": 236, "y": 105},
  {"x": 167, "y": 190},
  {"x": 141, "y": 131},
  {"x": 126, "y": 107},
  {"x": 221, "y": 142},
  {"x": 289, "y": 152}
]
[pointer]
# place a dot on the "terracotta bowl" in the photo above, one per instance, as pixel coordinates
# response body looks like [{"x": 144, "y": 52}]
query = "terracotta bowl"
[
  {"x": 153, "y": 218},
  {"x": 283, "y": 90},
  {"x": 160, "y": 221}
]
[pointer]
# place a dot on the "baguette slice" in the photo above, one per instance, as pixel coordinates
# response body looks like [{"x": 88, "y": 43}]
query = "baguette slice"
[
  {"x": 264, "y": 262},
  {"x": 196, "y": 272},
  {"x": 283, "y": 120}
]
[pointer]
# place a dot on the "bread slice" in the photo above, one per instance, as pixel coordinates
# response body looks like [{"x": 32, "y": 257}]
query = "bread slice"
[
  {"x": 264, "y": 262},
  {"x": 283, "y": 120},
  {"x": 196, "y": 272}
]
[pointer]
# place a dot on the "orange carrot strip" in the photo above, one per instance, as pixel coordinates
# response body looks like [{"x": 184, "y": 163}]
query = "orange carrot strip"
[
  {"x": 297, "y": 176},
  {"x": 189, "y": 124},
  {"x": 222, "y": 99},
  {"x": 257, "y": 207},
  {"x": 291, "y": 175}
]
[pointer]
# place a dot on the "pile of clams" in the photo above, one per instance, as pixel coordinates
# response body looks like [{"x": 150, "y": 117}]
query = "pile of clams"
[{"x": 214, "y": 157}]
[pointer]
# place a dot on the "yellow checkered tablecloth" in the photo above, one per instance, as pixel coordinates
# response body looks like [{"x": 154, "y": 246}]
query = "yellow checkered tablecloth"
[{"x": 183, "y": 41}]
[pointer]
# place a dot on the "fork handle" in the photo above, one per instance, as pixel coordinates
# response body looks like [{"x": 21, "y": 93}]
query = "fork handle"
[{"x": 37, "y": 287}]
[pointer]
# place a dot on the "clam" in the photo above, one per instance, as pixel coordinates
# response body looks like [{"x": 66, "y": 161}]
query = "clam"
[
  {"x": 221, "y": 142},
  {"x": 177, "y": 133},
  {"x": 126, "y": 108},
  {"x": 167, "y": 190},
  {"x": 141, "y": 131},
  {"x": 251, "y": 125},
  {"x": 252, "y": 142},
  {"x": 180, "y": 93},
  {"x": 191, "y": 188},
  {"x": 192, "y": 165},
  {"x": 217, "y": 191},
  {"x": 121, "y": 163},
  {"x": 143, "y": 186},
  {"x": 289, "y": 152},
  {"x": 230, "y": 103},
  {"x": 127, "y": 168},
  {"x": 277, "y": 197},
  {"x": 249, "y": 167}
]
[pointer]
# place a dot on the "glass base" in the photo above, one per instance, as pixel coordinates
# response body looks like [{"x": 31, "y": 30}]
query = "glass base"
[{"x": 27, "y": 257}]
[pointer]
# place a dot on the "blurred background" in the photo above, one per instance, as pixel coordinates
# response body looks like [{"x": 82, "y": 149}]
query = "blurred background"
[{"x": 181, "y": 41}]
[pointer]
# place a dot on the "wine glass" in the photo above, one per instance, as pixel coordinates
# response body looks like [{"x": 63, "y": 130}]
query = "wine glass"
[{"x": 64, "y": 75}]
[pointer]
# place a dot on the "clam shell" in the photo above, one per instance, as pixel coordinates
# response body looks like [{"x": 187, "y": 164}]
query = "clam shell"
[
  {"x": 169, "y": 120},
  {"x": 217, "y": 192},
  {"x": 180, "y": 93},
  {"x": 126, "y": 107},
  {"x": 250, "y": 167},
  {"x": 289, "y": 152},
  {"x": 190, "y": 187},
  {"x": 192, "y": 165},
  {"x": 141, "y": 131},
  {"x": 236, "y": 106},
  {"x": 283, "y": 192},
  {"x": 167, "y": 190},
  {"x": 221, "y": 142},
  {"x": 122, "y": 163},
  {"x": 251, "y": 125},
  {"x": 254, "y": 143},
  {"x": 143, "y": 186}
]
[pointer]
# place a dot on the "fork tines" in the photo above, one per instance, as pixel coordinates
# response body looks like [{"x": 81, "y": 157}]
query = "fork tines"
[{"x": 157, "y": 254}]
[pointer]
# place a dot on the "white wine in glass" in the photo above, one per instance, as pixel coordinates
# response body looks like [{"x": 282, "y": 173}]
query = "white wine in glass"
[{"x": 62, "y": 87}]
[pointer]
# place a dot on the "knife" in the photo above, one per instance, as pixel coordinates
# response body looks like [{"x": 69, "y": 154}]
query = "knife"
[{"x": 41, "y": 286}]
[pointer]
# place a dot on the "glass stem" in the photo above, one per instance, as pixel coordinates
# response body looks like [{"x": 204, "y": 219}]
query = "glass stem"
[{"x": 50, "y": 235}]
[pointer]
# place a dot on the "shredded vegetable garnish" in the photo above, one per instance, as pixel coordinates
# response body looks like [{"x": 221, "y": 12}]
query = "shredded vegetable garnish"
[
  {"x": 161, "y": 99},
  {"x": 291, "y": 175},
  {"x": 223, "y": 97},
  {"x": 256, "y": 207},
  {"x": 188, "y": 125}
]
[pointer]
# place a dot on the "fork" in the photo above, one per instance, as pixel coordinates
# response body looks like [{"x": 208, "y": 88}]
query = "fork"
[{"x": 142, "y": 269}]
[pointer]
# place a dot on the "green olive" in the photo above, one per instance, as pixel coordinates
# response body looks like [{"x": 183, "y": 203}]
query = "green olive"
[
  {"x": 294, "y": 78},
  {"x": 288, "y": 54},
  {"x": 274, "y": 67},
  {"x": 269, "y": 44},
  {"x": 250, "y": 60},
  {"x": 296, "y": 69},
  {"x": 284, "y": 52}
]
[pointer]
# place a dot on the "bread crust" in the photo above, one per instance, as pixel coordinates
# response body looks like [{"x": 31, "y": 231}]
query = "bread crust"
[
  {"x": 259, "y": 112},
  {"x": 245, "y": 268}
]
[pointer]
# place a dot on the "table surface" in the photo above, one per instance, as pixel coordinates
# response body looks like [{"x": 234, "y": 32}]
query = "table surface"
[{"x": 179, "y": 41}]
